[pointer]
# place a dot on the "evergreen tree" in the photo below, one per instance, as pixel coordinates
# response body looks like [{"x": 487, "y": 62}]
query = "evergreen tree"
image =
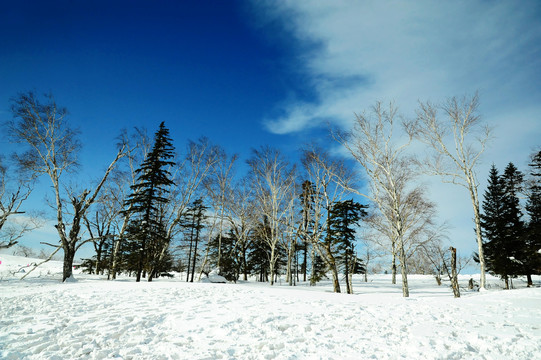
[
  {"x": 319, "y": 269},
  {"x": 513, "y": 180},
  {"x": 502, "y": 223},
  {"x": 147, "y": 202},
  {"x": 532, "y": 256},
  {"x": 229, "y": 259},
  {"x": 343, "y": 218},
  {"x": 491, "y": 219},
  {"x": 194, "y": 220}
]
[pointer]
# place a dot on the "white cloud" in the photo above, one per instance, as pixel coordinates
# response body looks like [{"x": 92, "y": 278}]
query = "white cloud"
[{"x": 358, "y": 52}]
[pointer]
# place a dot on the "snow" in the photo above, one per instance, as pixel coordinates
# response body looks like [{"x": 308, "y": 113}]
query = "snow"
[{"x": 41, "y": 318}]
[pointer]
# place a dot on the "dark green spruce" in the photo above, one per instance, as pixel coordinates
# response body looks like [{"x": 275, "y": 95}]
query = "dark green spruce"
[
  {"x": 343, "y": 218},
  {"x": 147, "y": 202},
  {"x": 502, "y": 224},
  {"x": 532, "y": 249}
]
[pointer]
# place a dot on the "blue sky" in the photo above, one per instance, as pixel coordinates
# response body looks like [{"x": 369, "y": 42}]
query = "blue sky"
[{"x": 248, "y": 73}]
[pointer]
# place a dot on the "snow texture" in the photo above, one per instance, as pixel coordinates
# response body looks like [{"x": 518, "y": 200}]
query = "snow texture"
[{"x": 41, "y": 318}]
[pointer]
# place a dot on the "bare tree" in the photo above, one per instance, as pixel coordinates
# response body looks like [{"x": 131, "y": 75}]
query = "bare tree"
[
  {"x": 137, "y": 146},
  {"x": 457, "y": 140},
  {"x": 331, "y": 180},
  {"x": 444, "y": 261},
  {"x": 273, "y": 179},
  {"x": 241, "y": 219},
  {"x": 188, "y": 176},
  {"x": 391, "y": 173},
  {"x": 53, "y": 148},
  {"x": 14, "y": 191},
  {"x": 418, "y": 227},
  {"x": 218, "y": 186}
]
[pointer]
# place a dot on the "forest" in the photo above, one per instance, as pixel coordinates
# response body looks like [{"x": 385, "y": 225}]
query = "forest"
[{"x": 162, "y": 207}]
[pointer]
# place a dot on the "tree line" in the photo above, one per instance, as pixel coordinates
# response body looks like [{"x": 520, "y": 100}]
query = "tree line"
[
  {"x": 511, "y": 244},
  {"x": 156, "y": 209}
]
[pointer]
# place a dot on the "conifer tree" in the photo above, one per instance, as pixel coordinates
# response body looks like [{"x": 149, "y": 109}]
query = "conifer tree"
[
  {"x": 502, "y": 224},
  {"x": 343, "y": 218},
  {"x": 532, "y": 246},
  {"x": 194, "y": 223},
  {"x": 147, "y": 202},
  {"x": 491, "y": 219}
]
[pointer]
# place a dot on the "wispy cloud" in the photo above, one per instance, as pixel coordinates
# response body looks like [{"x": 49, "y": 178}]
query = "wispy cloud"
[{"x": 355, "y": 53}]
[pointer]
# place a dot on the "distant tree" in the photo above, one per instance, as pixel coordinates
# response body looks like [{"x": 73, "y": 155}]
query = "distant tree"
[
  {"x": 137, "y": 146},
  {"x": 260, "y": 253},
  {"x": 453, "y": 141},
  {"x": 330, "y": 180},
  {"x": 501, "y": 223},
  {"x": 219, "y": 188},
  {"x": 513, "y": 181},
  {"x": 100, "y": 229},
  {"x": 391, "y": 172},
  {"x": 194, "y": 220},
  {"x": 532, "y": 249},
  {"x": 319, "y": 271},
  {"x": 241, "y": 220},
  {"x": 53, "y": 146},
  {"x": 15, "y": 188},
  {"x": 307, "y": 199},
  {"x": 147, "y": 200},
  {"x": 229, "y": 255},
  {"x": 343, "y": 218},
  {"x": 274, "y": 181}
]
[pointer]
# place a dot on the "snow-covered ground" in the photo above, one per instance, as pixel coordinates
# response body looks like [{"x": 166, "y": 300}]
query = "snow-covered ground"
[{"x": 41, "y": 318}]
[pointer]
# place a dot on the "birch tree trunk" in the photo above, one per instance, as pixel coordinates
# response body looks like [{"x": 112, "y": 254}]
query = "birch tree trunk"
[{"x": 454, "y": 275}]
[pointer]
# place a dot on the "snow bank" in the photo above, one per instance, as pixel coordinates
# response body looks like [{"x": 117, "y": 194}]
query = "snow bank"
[{"x": 171, "y": 319}]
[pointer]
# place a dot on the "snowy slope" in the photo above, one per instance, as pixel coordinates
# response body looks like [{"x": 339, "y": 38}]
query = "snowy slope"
[{"x": 41, "y": 318}]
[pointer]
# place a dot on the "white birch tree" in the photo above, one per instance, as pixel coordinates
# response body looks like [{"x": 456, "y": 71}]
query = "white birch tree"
[
  {"x": 273, "y": 179},
  {"x": 53, "y": 147},
  {"x": 331, "y": 180},
  {"x": 390, "y": 172},
  {"x": 457, "y": 137}
]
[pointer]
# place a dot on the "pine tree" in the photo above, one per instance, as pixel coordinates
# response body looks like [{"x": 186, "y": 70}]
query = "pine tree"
[
  {"x": 491, "y": 223},
  {"x": 502, "y": 223},
  {"x": 147, "y": 202},
  {"x": 513, "y": 180},
  {"x": 532, "y": 256},
  {"x": 229, "y": 256},
  {"x": 194, "y": 219},
  {"x": 343, "y": 218}
]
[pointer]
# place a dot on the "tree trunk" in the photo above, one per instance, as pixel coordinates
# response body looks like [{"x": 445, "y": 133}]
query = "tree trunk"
[
  {"x": 529, "y": 278},
  {"x": 454, "y": 275},
  {"x": 67, "y": 269},
  {"x": 141, "y": 261},
  {"x": 189, "y": 257},
  {"x": 305, "y": 261},
  {"x": 290, "y": 263},
  {"x": 98, "y": 257},
  {"x": 313, "y": 266},
  {"x": 116, "y": 251},
  {"x": 346, "y": 268},
  {"x": 244, "y": 267},
  {"x": 195, "y": 251},
  {"x": 335, "y": 282},
  {"x": 393, "y": 269},
  {"x": 478, "y": 233},
  {"x": 271, "y": 265},
  {"x": 404, "y": 270}
]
